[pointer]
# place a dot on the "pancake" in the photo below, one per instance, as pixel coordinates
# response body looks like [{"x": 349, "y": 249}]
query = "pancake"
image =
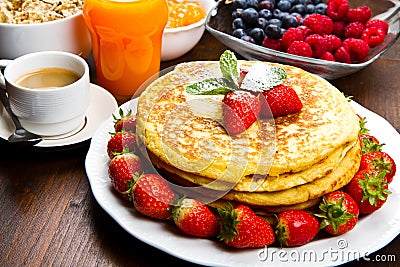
[
  {"x": 186, "y": 131},
  {"x": 335, "y": 180}
]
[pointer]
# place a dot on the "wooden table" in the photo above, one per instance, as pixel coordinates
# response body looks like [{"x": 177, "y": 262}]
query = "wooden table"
[{"x": 49, "y": 217}]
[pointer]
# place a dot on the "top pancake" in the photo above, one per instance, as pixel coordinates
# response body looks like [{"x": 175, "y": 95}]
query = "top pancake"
[{"x": 186, "y": 131}]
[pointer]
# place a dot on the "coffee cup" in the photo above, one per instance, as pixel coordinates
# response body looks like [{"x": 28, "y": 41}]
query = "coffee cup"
[{"x": 48, "y": 91}]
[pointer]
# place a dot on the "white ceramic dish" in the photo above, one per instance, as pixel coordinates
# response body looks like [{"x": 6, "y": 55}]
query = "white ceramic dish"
[
  {"x": 102, "y": 105},
  {"x": 371, "y": 233},
  {"x": 178, "y": 41},
  {"x": 69, "y": 34}
]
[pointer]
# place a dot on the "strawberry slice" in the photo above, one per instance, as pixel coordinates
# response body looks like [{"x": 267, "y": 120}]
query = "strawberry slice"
[{"x": 282, "y": 100}]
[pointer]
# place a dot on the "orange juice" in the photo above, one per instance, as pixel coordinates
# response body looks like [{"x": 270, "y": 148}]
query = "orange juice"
[{"x": 126, "y": 42}]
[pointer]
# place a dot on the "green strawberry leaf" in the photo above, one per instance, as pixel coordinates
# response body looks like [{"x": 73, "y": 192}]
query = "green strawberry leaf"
[
  {"x": 262, "y": 77},
  {"x": 212, "y": 86}
]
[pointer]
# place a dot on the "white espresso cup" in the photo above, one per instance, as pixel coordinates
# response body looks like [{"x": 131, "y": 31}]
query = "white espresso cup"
[{"x": 42, "y": 107}]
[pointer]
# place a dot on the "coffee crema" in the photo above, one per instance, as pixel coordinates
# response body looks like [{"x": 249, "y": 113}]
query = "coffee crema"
[{"x": 48, "y": 78}]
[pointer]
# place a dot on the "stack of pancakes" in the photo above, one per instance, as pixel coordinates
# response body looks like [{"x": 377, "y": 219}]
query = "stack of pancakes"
[{"x": 276, "y": 164}]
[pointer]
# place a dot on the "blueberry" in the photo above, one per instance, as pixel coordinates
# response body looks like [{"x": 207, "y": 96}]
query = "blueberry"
[
  {"x": 289, "y": 22},
  {"x": 275, "y": 22},
  {"x": 316, "y": 2},
  {"x": 257, "y": 34},
  {"x": 273, "y": 31},
  {"x": 293, "y": 2},
  {"x": 237, "y": 13},
  {"x": 310, "y": 9},
  {"x": 299, "y": 8},
  {"x": 283, "y": 5},
  {"x": 239, "y": 33},
  {"x": 265, "y": 13},
  {"x": 240, "y": 4},
  {"x": 238, "y": 24},
  {"x": 320, "y": 8},
  {"x": 283, "y": 31},
  {"x": 266, "y": 4},
  {"x": 252, "y": 3},
  {"x": 250, "y": 16},
  {"x": 262, "y": 23},
  {"x": 248, "y": 39},
  {"x": 302, "y": 2}
]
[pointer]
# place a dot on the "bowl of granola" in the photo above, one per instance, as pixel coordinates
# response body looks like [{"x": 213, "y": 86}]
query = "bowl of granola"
[{"x": 28, "y": 26}]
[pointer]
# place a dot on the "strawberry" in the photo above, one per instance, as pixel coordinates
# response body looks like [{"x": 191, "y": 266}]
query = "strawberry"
[
  {"x": 241, "y": 228},
  {"x": 121, "y": 142},
  {"x": 369, "y": 189},
  {"x": 121, "y": 170},
  {"x": 380, "y": 162},
  {"x": 339, "y": 213},
  {"x": 152, "y": 196},
  {"x": 240, "y": 111},
  {"x": 296, "y": 228},
  {"x": 369, "y": 143},
  {"x": 195, "y": 218},
  {"x": 282, "y": 100},
  {"x": 125, "y": 122}
]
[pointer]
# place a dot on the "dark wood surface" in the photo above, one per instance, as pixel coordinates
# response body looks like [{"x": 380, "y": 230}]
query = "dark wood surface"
[{"x": 49, "y": 217}]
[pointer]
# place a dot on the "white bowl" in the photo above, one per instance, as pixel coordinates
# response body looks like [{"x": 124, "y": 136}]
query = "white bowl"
[
  {"x": 178, "y": 41},
  {"x": 68, "y": 34}
]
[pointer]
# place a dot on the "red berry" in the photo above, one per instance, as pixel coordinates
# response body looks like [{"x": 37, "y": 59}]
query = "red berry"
[
  {"x": 342, "y": 55},
  {"x": 379, "y": 161},
  {"x": 318, "y": 44},
  {"x": 357, "y": 48},
  {"x": 369, "y": 143},
  {"x": 354, "y": 30},
  {"x": 333, "y": 42},
  {"x": 275, "y": 44},
  {"x": 338, "y": 28},
  {"x": 377, "y": 23},
  {"x": 240, "y": 111},
  {"x": 125, "y": 122},
  {"x": 373, "y": 36},
  {"x": 327, "y": 56},
  {"x": 318, "y": 23},
  {"x": 300, "y": 48},
  {"x": 337, "y": 9},
  {"x": 121, "y": 142},
  {"x": 291, "y": 35},
  {"x": 360, "y": 14},
  {"x": 280, "y": 100}
]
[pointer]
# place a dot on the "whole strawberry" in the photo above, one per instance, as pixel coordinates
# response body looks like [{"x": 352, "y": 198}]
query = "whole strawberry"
[
  {"x": 242, "y": 228},
  {"x": 121, "y": 142},
  {"x": 125, "y": 122},
  {"x": 339, "y": 213},
  {"x": 240, "y": 110},
  {"x": 369, "y": 143},
  {"x": 369, "y": 189},
  {"x": 195, "y": 218},
  {"x": 379, "y": 161},
  {"x": 121, "y": 170},
  {"x": 296, "y": 228},
  {"x": 281, "y": 100},
  {"x": 152, "y": 196}
]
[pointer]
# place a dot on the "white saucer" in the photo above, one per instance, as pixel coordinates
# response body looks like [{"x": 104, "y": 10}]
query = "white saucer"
[{"x": 102, "y": 105}]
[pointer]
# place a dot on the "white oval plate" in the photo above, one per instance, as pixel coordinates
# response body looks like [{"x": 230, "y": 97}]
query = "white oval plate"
[
  {"x": 102, "y": 105},
  {"x": 371, "y": 233}
]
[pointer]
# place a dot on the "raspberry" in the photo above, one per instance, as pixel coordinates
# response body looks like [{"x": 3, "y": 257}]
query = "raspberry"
[
  {"x": 327, "y": 56},
  {"x": 338, "y": 28},
  {"x": 291, "y": 35},
  {"x": 377, "y": 23},
  {"x": 333, "y": 42},
  {"x": 306, "y": 31},
  {"x": 373, "y": 36},
  {"x": 354, "y": 30},
  {"x": 318, "y": 44},
  {"x": 318, "y": 23},
  {"x": 361, "y": 14},
  {"x": 358, "y": 49},
  {"x": 342, "y": 55},
  {"x": 275, "y": 44},
  {"x": 300, "y": 48},
  {"x": 337, "y": 9}
]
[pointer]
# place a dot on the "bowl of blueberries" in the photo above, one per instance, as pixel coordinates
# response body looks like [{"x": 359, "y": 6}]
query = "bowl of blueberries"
[{"x": 330, "y": 38}]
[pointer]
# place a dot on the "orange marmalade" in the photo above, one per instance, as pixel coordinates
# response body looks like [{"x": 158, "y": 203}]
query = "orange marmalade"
[{"x": 183, "y": 13}]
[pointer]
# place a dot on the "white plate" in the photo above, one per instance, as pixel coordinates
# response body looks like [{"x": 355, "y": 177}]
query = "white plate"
[
  {"x": 371, "y": 233},
  {"x": 102, "y": 105}
]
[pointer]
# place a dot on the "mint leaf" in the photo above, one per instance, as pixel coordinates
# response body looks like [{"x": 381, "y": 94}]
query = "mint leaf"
[
  {"x": 211, "y": 86},
  {"x": 262, "y": 77},
  {"x": 229, "y": 67}
]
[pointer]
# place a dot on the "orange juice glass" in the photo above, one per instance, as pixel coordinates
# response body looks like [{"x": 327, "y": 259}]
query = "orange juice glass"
[{"x": 126, "y": 42}]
